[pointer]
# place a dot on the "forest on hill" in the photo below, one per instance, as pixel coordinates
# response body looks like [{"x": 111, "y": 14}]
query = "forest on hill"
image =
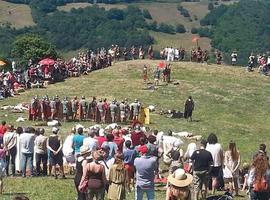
[{"x": 244, "y": 26}]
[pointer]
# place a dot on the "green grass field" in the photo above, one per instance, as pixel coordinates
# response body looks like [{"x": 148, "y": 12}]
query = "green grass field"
[
  {"x": 229, "y": 102},
  {"x": 18, "y": 15}
]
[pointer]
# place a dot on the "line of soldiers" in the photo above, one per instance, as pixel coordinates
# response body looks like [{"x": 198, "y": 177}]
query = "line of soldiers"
[{"x": 100, "y": 111}]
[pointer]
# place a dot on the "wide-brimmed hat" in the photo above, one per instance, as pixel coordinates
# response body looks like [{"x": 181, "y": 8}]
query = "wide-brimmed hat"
[
  {"x": 84, "y": 150},
  {"x": 180, "y": 179}
]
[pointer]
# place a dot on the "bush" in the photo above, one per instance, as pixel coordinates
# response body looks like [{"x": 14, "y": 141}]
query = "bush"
[
  {"x": 204, "y": 32},
  {"x": 165, "y": 28},
  {"x": 194, "y": 30},
  {"x": 211, "y": 6},
  {"x": 179, "y": 28},
  {"x": 146, "y": 14}
]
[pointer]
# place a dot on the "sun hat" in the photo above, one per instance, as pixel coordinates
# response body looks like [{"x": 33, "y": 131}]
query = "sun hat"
[
  {"x": 180, "y": 179},
  {"x": 84, "y": 150}
]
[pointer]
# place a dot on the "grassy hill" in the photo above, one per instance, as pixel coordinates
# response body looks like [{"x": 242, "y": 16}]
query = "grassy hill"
[
  {"x": 18, "y": 15},
  {"x": 229, "y": 102}
]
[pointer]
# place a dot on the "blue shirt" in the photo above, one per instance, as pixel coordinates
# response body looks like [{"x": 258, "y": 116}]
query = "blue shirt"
[
  {"x": 129, "y": 156},
  {"x": 77, "y": 142},
  {"x": 145, "y": 171},
  {"x": 113, "y": 148}
]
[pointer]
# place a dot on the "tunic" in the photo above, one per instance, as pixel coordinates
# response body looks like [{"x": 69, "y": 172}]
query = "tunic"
[{"x": 117, "y": 179}]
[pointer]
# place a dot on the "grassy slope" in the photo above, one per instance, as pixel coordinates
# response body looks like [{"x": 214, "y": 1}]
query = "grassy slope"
[
  {"x": 20, "y": 14},
  {"x": 229, "y": 102}
]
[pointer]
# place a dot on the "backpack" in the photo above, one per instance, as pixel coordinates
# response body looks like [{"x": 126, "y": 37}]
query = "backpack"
[{"x": 260, "y": 185}]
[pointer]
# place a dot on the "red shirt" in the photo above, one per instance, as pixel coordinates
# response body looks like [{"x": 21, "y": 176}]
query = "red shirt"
[
  {"x": 119, "y": 142},
  {"x": 100, "y": 140},
  {"x": 3, "y": 130},
  {"x": 135, "y": 138}
]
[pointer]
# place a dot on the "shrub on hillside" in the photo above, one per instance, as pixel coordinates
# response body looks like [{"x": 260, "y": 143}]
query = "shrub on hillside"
[
  {"x": 180, "y": 28},
  {"x": 166, "y": 28}
]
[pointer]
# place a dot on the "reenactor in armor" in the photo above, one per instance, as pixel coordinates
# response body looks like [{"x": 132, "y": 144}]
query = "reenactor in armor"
[
  {"x": 43, "y": 109},
  {"x": 58, "y": 106},
  {"x": 93, "y": 109},
  {"x": 53, "y": 108},
  {"x": 125, "y": 53},
  {"x": 74, "y": 107},
  {"x": 150, "y": 52},
  {"x": 34, "y": 109},
  {"x": 100, "y": 111},
  {"x": 66, "y": 109},
  {"x": 113, "y": 110},
  {"x": 135, "y": 109},
  {"x": 83, "y": 107},
  {"x": 123, "y": 114}
]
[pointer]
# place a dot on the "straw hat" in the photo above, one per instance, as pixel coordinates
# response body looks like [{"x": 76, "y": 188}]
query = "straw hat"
[
  {"x": 84, "y": 150},
  {"x": 180, "y": 179}
]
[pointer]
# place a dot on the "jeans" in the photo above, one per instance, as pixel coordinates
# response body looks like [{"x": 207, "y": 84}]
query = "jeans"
[
  {"x": 11, "y": 158},
  {"x": 259, "y": 195},
  {"x": 27, "y": 157},
  {"x": 44, "y": 159},
  {"x": 150, "y": 193}
]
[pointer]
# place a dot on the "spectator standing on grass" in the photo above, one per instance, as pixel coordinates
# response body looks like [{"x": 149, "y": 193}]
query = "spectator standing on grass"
[
  {"x": 117, "y": 179},
  {"x": 18, "y": 163},
  {"x": 259, "y": 178},
  {"x": 41, "y": 152},
  {"x": 231, "y": 171},
  {"x": 27, "y": 148},
  {"x": 82, "y": 160},
  {"x": 111, "y": 144},
  {"x": 94, "y": 172},
  {"x": 145, "y": 174},
  {"x": 217, "y": 154},
  {"x": 129, "y": 157},
  {"x": 2, "y": 166},
  {"x": 3, "y": 130},
  {"x": 78, "y": 141},
  {"x": 10, "y": 144},
  {"x": 54, "y": 145},
  {"x": 178, "y": 186},
  {"x": 202, "y": 165},
  {"x": 91, "y": 141}
]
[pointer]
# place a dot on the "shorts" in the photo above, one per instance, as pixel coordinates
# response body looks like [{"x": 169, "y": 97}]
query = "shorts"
[
  {"x": 200, "y": 178},
  {"x": 215, "y": 171},
  {"x": 130, "y": 170},
  {"x": 56, "y": 159}
]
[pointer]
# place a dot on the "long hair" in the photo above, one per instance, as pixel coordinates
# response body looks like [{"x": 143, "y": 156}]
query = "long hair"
[
  {"x": 260, "y": 164},
  {"x": 233, "y": 150}
]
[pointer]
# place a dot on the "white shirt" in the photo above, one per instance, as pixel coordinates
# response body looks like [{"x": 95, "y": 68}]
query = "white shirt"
[
  {"x": 217, "y": 153},
  {"x": 67, "y": 146},
  {"x": 92, "y": 143},
  {"x": 10, "y": 140}
]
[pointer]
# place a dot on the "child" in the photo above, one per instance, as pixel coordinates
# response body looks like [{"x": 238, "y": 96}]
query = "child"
[
  {"x": 2, "y": 166},
  {"x": 244, "y": 173}
]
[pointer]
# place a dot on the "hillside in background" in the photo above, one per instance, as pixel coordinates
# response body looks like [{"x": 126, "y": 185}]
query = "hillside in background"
[
  {"x": 225, "y": 25},
  {"x": 244, "y": 27}
]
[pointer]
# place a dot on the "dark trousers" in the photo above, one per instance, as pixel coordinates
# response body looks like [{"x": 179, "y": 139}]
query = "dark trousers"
[
  {"x": 44, "y": 159},
  {"x": 10, "y": 158},
  {"x": 259, "y": 195}
]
